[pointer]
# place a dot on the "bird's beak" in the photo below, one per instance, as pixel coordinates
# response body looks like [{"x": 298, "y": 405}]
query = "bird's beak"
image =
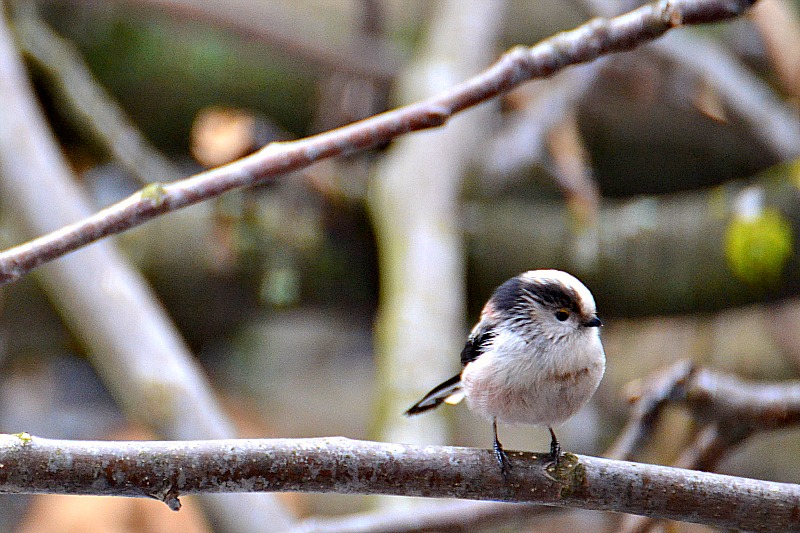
[{"x": 593, "y": 322}]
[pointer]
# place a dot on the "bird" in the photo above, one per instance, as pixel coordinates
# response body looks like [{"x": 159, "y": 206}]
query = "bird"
[{"x": 535, "y": 357}]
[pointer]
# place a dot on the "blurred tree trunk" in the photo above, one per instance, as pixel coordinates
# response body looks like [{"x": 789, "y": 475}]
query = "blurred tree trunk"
[{"x": 415, "y": 206}]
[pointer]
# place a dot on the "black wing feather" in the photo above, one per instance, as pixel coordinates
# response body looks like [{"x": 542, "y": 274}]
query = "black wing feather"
[
  {"x": 476, "y": 345},
  {"x": 436, "y": 396}
]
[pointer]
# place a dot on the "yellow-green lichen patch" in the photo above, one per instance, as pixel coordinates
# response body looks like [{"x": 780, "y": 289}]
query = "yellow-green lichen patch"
[
  {"x": 758, "y": 247},
  {"x": 569, "y": 473},
  {"x": 155, "y": 193},
  {"x": 24, "y": 437},
  {"x": 794, "y": 172}
]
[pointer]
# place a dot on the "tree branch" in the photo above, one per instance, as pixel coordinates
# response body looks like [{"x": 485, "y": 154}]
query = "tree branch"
[
  {"x": 727, "y": 409},
  {"x": 585, "y": 43},
  {"x": 165, "y": 470},
  {"x": 298, "y": 33},
  {"x": 736, "y": 409}
]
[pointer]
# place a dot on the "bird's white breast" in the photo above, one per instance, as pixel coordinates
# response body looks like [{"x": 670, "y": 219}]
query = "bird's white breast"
[{"x": 536, "y": 383}]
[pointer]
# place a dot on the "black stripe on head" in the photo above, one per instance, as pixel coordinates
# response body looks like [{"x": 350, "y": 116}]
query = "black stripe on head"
[
  {"x": 507, "y": 296},
  {"x": 554, "y": 295},
  {"x": 514, "y": 293}
]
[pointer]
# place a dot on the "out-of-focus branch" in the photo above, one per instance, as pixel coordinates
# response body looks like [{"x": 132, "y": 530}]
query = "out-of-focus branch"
[
  {"x": 93, "y": 108},
  {"x": 106, "y": 303},
  {"x": 585, "y": 43},
  {"x": 665, "y": 387},
  {"x": 654, "y": 254},
  {"x": 166, "y": 470},
  {"x": 727, "y": 409},
  {"x": 778, "y": 23},
  {"x": 771, "y": 120},
  {"x": 736, "y": 408},
  {"x": 299, "y": 34},
  {"x": 443, "y": 517}
]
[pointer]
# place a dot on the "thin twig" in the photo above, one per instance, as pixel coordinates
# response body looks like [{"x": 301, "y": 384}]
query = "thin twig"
[
  {"x": 165, "y": 470},
  {"x": 585, "y": 43}
]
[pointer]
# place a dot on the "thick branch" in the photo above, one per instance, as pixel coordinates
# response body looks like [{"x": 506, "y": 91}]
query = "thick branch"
[
  {"x": 655, "y": 254},
  {"x": 587, "y": 42},
  {"x": 165, "y": 470}
]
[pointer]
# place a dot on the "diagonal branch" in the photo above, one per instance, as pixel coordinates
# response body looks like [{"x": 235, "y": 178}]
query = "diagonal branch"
[
  {"x": 165, "y": 470},
  {"x": 585, "y": 43}
]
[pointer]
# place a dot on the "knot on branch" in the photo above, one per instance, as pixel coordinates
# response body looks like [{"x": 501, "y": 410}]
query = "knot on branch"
[{"x": 169, "y": 495}]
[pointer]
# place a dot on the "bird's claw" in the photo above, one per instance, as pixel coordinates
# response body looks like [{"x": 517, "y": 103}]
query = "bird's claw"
[{"x": 502, "y": 460}]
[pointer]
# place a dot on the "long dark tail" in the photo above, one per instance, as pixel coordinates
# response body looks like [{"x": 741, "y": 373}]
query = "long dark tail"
[{"x": 449, "y": 391}]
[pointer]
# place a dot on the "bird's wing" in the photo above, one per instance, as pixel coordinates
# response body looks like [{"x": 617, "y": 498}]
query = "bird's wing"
[
  {"x": 447, "y": 392},
  {"x": 477, "y": 343}
]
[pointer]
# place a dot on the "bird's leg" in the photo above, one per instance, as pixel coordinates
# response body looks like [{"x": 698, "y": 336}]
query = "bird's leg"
[
  {"x": 499, "y": 453},
  {"x": 555, "y": 447}
]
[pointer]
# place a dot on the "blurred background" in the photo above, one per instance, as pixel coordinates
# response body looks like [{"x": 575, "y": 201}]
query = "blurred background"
[{"x": 325, "y": 303}]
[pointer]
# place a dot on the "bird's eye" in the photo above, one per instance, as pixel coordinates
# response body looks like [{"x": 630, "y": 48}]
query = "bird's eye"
[{"x": 562, "y": 314}]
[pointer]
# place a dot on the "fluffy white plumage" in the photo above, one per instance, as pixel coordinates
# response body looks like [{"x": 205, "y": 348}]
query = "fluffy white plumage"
[{"x": 535, "y": 357}]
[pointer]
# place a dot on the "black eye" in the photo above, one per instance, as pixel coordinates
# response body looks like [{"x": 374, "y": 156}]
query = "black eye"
[{"x": 562, "y": 315}]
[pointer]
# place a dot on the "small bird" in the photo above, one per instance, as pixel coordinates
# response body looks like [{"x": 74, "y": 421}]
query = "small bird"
[{"x": 534, "y": 357}]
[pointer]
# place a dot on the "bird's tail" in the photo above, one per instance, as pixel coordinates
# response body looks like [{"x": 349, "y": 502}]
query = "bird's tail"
[{"x": 447, "y": 392}]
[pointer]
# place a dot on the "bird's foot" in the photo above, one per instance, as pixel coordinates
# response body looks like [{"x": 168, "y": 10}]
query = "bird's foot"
[
  {"x": 555, "y": 452},
  {"x": 502, "y": 459},
  {"x": 555, "y": 449}
]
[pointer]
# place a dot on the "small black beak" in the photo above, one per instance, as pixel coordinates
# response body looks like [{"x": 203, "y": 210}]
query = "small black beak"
[{"x": 593, "y": 322}]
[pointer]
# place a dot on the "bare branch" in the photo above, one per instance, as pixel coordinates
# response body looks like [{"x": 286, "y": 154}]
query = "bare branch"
[
  {"x": 660, "y": 389},
  {"x": 165, "y": 470},
  {"x": 729, "y": 410},
  {"x": 585, "y": 43},
  {"x": 733, "y": 408}
]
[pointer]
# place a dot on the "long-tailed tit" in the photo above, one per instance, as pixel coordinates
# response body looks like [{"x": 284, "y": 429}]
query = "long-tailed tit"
[{"x": 535, "y": 356}]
